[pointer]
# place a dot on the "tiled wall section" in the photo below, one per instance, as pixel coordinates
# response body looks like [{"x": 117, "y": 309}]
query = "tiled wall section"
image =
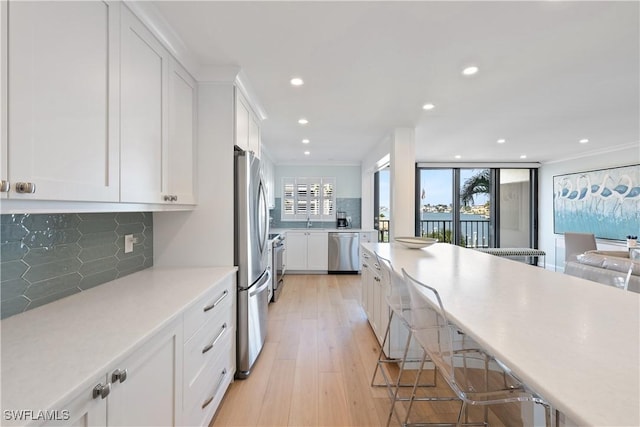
[
  {"x": 46, "y": 257},
  {"x": 352, "y": 206}
]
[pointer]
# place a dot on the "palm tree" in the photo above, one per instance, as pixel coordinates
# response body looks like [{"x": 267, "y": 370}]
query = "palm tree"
[{"x": 477, "y": 184}]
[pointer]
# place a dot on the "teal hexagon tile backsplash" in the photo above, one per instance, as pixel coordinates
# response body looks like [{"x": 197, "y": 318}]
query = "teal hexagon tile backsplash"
[{"x": 45, "y": 257}]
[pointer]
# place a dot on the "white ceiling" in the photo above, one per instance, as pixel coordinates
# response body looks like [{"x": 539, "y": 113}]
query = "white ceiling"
[{"x": 550, "y": 74}]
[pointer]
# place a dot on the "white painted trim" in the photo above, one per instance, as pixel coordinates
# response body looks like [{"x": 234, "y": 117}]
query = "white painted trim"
[
  {"x": 242, "y": 82},
  {"x": 479, "y": 165},
  {"x": 312, "y": 163},
  {"x": 9, "y": 206},
  {"x": 607, "y": 150},
  {"x": 147, "y": 12}
]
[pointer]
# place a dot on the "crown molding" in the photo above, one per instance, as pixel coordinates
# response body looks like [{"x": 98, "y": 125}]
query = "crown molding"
[{"x": 592, "y": 153}]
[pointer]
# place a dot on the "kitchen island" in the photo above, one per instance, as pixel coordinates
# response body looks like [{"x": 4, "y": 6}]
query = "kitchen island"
[{"x": 573, "y": 341}]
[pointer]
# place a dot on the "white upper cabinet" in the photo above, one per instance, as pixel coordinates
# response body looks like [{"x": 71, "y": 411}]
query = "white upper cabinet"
[
  {"x": 144, "y": 118},
  {"x": 4, "y": 177},
  {"x": 62, "y": 100},
  {"x": 268, "y": 173},
  {"x": 182, "y": 118},
  {"x": 247, "y": 126}
]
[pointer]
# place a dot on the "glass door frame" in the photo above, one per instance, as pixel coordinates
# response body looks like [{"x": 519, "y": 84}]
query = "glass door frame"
[{"x": 494, "y": 195}]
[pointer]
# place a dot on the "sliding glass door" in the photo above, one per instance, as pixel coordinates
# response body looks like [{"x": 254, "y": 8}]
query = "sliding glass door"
[
  {"x": 477, "y": 207},
  {"x": 382, "y": 203}
]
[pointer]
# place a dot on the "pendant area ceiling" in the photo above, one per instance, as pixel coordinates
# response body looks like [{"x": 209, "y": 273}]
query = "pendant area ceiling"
[{"x": 550, "y": 74}]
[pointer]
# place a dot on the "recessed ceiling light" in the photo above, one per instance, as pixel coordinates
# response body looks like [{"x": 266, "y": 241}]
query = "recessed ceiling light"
[
  {"x": 470, "y": 71},
  {"x": 458, "y": 156},
  {"x": 306, "y": 153},
  {"x": 501, "y": 141},
  {"x": 296, "y": 81},
  {"x": 428, "y": 106},
  {"x": 303, "y": 121},
  {"x": 523, "y": 156},
  {"x": 305, "y": 141},
  {"x": 583, "y": 141}
]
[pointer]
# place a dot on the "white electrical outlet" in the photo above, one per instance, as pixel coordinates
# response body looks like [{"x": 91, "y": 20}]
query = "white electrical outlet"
[{"x": 128, "y": 243}]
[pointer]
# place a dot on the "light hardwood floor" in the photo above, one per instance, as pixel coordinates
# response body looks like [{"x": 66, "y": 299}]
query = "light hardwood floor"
[{"x": 316, "y": 365}]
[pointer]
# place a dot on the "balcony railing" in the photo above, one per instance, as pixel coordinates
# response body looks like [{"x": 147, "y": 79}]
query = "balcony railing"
[
  {"x": 383, "y": 230},
  {"x": 474, "y": 233}
]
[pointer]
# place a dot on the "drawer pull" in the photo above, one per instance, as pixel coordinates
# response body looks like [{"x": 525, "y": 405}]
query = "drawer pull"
[
  {"x": 365, "y": 265},
  {"x": 209, "y": 307},
  {"x": 215, "y": 340},
  {"x": 365, "y": 255},
  {"x": 222, "y": 375}
]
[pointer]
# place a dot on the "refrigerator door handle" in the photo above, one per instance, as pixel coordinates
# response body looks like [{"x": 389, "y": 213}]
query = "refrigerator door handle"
[{"x": 266, "y": 277}]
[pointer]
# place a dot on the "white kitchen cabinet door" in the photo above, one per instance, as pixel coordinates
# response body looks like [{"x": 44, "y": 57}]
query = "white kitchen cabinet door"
[
  {"x": 4, "y": 177},
  {"x": 151, "y": 394},
  {"x": 242, "y": 122},
  {"x": 296, "y": 242},
  {"x": 182, "y": 117},
  {"x": 268, "y": 174},
  {"x": 63, "y": 95},
  {"x": 254, "y": 135},
  {"x": 318, "y": 251},
  {"x": 82, "y": 410},
  {"x": 144, "y": 116},
  {"x": 366, "y": 285}
]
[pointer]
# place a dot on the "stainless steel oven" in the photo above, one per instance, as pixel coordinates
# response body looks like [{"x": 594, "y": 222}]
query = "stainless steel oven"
[{"x": 278, "y": 266}]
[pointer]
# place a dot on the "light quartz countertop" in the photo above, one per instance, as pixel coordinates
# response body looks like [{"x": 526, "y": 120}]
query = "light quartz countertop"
[
  {"x": 575, "y": 342},
  {"x": 53, "y": 352}
]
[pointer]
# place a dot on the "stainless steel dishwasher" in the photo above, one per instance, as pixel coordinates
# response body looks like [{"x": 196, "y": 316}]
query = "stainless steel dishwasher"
[{"x": 344, "y": 255}]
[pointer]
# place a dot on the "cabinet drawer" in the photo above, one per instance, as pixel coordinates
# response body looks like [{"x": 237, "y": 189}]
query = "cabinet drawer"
[
  {"x": 218, "y": 298},
  {"x": 204, "y": 395},
  {"x": 207, "y": 342}
]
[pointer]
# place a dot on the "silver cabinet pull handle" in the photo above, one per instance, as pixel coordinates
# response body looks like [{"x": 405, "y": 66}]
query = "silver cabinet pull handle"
[
  {"x": 25, "y": 187},
  {"x": 364, "y": 264},
  {"x": 174, "y": 198},
  {"x": 167, "y": 198},
  {"x": 101, "y": 390},
  {"x": 215, "y": 340},
  {"x": 119, "y": 375},
  {"x": 216, "y": 302},
  {"x": 365, "y": 255},
  {"x": 4, "y": 186},
  {"x": 222, "y": 375}
]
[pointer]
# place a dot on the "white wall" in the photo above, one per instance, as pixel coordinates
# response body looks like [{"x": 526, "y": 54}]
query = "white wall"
[
  {"x": 204, "y": 237},
  {"x": 403, "y": 185},
  {"x": 348, "y": 177},
  {"x": 548, "y": 241}
]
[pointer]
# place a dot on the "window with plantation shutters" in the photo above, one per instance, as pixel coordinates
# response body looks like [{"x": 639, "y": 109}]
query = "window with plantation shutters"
[{"x": 308, "y": 198}]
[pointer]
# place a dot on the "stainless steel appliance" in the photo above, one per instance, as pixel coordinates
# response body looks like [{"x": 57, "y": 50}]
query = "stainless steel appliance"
[
  {"x": 251, "y": 255},
  {"x": 341, "y": 219},
  {"x": 344, "y": 256},
  {"x": 278, "y": 265}
]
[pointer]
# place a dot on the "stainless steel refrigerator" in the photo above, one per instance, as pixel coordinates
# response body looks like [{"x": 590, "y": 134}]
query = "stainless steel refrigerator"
[{"x": 251, "y": 249}]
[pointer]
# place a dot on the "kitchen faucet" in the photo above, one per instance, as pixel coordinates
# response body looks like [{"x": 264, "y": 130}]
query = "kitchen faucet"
[{"x": 308, "y": 221}]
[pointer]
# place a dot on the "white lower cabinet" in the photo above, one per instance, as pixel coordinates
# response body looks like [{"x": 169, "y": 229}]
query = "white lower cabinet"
[
  {"x": 143, "y": 385},
  {"x": 176, "y": 378},
  {"x": 307, "y": 251},
  {"x": 209, "y": 353},
  {"x": 375, "y": 288},
  {"x": 139, "y": 390}
]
